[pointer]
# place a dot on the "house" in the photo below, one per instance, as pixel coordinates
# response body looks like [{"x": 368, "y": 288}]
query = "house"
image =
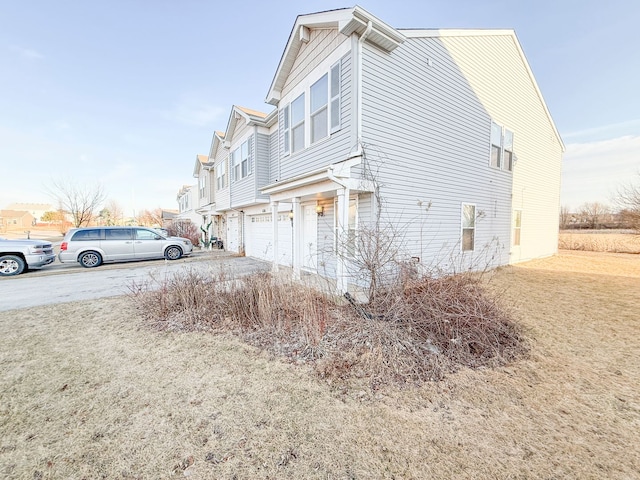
[
  {"x": 13, "y": 219},
  {"x": 204, "y": 204},
  {"x": 35, "y": 209},
  {"x": 440, "y": 137},
  {"x": 187, "y": 199}
]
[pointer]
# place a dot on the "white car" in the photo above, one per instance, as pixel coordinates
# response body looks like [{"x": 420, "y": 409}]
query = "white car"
[
  {"x": 93, "y": 246},
  {"x": 18, "y": 255}
]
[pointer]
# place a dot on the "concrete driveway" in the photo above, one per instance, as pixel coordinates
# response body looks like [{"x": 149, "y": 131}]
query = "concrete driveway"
[{"x": 60, "y": 283}]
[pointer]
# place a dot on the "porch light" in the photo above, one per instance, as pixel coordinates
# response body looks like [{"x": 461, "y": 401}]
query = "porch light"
[
  {"x": 291, "y": 216},
  {"x": 320, "y": 210}
]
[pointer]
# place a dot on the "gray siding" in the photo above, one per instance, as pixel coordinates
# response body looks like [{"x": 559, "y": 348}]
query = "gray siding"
[
  {"x": 243, "y": 191},
  {"x": 274, "y": 159},
  {"x": 262, "y": 164},
  {"x": 325, "y": 152},
  {"x": 427, "y": 136}
]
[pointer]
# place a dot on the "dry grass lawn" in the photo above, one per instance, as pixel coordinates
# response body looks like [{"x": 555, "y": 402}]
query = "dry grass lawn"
[
  {"x": 88, "y": 391},
  {"x": 599, "y": 241}
]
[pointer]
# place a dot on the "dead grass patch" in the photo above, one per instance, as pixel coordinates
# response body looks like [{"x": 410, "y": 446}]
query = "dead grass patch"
[
  {"x": 415, "y": 331},
  {"x": 599, "y": 241},
  {"x": 88, "y": 391}
]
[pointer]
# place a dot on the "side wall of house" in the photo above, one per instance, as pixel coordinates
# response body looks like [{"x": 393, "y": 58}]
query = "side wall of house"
[
  {"x": 512, "y": 100},
  {"x": 427, "y": 142}
]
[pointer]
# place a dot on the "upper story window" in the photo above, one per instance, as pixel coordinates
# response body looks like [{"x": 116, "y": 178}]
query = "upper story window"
[
  {"x": 501, "y": 147},
  {"x": 319, "y": 100},
  {"x": 468, "y": 227},
  {"x": 314, "y": 114},
  {"x": 221, "y": 175},
  {"x": 203, "y": 185},
  {"x": 517, "y": 226},
  {"x": 297, "y": 124},
  {"x": 241, "y": 165}
]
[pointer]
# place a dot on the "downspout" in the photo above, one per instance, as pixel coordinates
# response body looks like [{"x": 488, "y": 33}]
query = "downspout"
[{"x": 361, "y": 41}]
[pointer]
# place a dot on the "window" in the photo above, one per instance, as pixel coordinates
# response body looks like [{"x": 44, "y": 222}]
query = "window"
[
  {"x": 203, "y": 185},
  {"x": 496, "y": 145},
  {"x": 297, "y": 124},
  {"x": 501, "y": 147},
  {"x": 517, "y": 226},
  {"x": 508, "y": 150},
  {"x": 319, "y": 109},
  {"x": 87, "y": 234},
  {"x": 244, "y": 158},
  {"x": 335, "y": 97},
  {"x": 468, "y": 226},
  {"x": 235, "y": 165},
  {"x": 221, "y": 170},
  {"x": 323, "y": 113},
  {"x": 117, "y": 234},
  {"x": 144, "y": 234}
]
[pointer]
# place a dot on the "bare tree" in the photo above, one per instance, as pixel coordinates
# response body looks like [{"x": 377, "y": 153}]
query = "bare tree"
[
  {"x": 565, "y": 217},
  {"x": 628, "y": 199},
  {"x": 593, "y": 213},
  {"x": 112, "y": 213},
  {"x": 150, "y": 218},
  {"x": 81, "y": 202}
]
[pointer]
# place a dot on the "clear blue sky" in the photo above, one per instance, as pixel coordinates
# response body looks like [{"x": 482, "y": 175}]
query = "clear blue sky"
[{"x": 128, "y": 92}]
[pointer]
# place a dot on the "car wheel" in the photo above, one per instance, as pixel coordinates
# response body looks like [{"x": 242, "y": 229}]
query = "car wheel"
[
  {"x": 173, "y": 253},
  {"x": 11, "y": 265},
  {"x": 90, "y": 259}
]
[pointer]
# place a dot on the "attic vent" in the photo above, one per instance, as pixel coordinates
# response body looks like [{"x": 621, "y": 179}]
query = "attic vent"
[{"x": 304, "y": 34}]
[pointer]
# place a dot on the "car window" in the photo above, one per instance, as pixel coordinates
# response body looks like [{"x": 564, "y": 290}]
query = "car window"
[
  {"x": 118, "y": 234},
  {"x": 88, "y": 234},
  {"x": 144, "y": 234}
]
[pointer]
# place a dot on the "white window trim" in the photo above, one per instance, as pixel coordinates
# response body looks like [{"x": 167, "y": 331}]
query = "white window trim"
[
  {"x": 502, "y": 160},
  {"x": 463, "y": 228},
  {"x": 305, "y": 88}
]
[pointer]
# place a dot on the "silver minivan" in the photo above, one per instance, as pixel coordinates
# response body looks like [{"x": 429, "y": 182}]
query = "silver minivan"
[{"x": 92, "y": 246}]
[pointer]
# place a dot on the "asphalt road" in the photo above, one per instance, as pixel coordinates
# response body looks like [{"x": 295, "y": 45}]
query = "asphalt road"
[{"x": 60, "y": 283}]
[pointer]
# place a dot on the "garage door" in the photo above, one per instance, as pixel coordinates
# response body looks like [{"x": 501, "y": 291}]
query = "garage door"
[{"x": 258, "y": 241}]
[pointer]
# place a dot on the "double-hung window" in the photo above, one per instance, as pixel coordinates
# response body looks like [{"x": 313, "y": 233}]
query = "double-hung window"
[
  {"x": 501, "y": 147},
  {"x": 235, "y": 165},
  {"x": 468, "y": 227},
  {"x": 321, "y": 113},
  {"x": 517, "y": 226},
  {"x": 319, "y": 108},
  {"x": 221, "y": 170},
  {"x": 203, "y": 185},
  {"x": 297, "y": 124},
  {"x": 244, "y": 159}
]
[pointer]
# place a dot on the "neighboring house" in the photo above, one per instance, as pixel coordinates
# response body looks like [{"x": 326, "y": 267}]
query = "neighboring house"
[
  {"x": 167, "y": 217},
  {"x": 187, "y": 199},
  {"x": 35, "y": 209},
  {"x": 441, "y": 136},
  {"x": 16, "y": 219},
  {"x": 204, "y": 205}
]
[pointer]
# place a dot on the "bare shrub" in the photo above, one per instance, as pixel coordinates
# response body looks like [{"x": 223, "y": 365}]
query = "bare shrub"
[
  {"x": 423, "y": 328},
  {"x": 185, "y": 229}
]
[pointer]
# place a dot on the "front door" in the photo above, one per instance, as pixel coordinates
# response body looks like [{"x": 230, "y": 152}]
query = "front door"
[{"x": 310, "y": 237}]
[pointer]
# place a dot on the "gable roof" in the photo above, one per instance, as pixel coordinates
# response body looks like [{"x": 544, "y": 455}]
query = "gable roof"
[
  {"x": 347, "y": 21},
  {"x": 202, "y": 161}
]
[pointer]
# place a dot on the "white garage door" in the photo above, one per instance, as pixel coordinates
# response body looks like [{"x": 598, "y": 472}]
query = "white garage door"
[{"x": 258, "y": 236}]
